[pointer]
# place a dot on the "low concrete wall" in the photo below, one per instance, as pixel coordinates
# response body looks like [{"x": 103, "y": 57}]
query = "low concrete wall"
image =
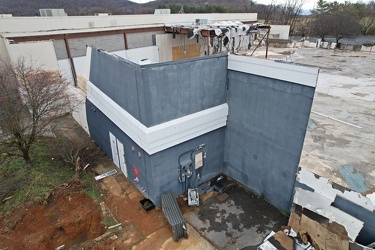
[{"x": 369, "y": 48}]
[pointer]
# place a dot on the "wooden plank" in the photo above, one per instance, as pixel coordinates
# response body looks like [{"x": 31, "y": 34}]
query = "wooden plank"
[
  {"x": 294, "y": 222},
  {"x": 284, "y": 240},
  {"x": 323, "y": 236},
  {"x": 336, "y": 243},
  {"x": 338, "y": 229}
]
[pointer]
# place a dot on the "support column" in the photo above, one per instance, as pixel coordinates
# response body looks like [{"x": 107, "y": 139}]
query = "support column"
[
  {"x": 71, "y": 60},
  {"x": 126, "y": 40},
  {"x": 268, "y": 35}
]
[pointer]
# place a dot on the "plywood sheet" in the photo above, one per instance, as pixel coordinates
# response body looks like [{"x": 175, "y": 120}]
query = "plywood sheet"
[
  {"x": 186, "y": 51},
  {"x": 321, "y": 235}
]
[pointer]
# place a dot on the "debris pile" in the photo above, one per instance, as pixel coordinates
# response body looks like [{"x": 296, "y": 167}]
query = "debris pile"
[{"x": 287, "y": 238}]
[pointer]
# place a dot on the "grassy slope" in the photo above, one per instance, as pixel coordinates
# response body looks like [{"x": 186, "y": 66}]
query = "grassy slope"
[{"x": 22, "y": 185}]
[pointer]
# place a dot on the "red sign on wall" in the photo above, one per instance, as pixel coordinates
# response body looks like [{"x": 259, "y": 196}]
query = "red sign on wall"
[{"x": 136, "y": 171}]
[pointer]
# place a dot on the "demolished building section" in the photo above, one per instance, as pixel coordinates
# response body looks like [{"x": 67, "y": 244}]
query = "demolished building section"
[{"x": 180, "y": 123}]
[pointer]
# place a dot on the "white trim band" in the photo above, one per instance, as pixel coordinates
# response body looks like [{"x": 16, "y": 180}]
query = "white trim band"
[
  {"x": 282, "y": 71},
  {"x": 162, "y": 136}
]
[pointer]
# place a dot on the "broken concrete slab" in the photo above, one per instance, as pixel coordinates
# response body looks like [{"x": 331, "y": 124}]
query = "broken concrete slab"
[
  {"x": 321, "y": 205},
  {"x": 328, "y": 189}
]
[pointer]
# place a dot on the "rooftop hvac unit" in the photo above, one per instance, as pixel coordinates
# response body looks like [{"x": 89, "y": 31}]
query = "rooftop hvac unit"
[
  {"x": 201, "y": 21},
  {"x": 162, "y": 11},
  {"x": 103, "y": 14},
  {"x": 52, "y": 12}
]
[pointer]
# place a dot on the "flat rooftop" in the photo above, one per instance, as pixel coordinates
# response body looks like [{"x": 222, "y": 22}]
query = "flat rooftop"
[{"x": 339, "y": 143}]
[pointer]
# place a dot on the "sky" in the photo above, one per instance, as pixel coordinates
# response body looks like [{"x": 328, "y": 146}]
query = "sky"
[{"x": 310, "y": 3}]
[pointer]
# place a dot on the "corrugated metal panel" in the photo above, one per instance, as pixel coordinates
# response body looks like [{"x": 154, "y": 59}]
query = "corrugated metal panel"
[
  {"x": 109, "y": 43},
  {"x": 143, "y": 39},
  {"x": 60, "y": 49},
  {"x": 174, "y": 216}
]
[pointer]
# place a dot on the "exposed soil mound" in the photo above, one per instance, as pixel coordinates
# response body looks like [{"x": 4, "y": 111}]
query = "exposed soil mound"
[{"x": 68, "y": 219}]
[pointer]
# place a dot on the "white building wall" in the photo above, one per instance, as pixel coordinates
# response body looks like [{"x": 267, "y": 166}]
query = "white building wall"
[
  {"x": 33, "y": 24},
  {"x": 78, "y": 100},
  {"x": 164, "y": 42},
  {"x": 66, "y": 70},
  {"x": 150, "y": 53},
  {"x": 41, "y": 54},
  {"x": 279, "y": 31},
  {"x": 4, "y": 56}
]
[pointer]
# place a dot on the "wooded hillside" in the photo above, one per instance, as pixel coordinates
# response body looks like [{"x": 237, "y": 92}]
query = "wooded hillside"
[
  {"x": 360, "y": 16},
  {"x": 117, "y": 7}
]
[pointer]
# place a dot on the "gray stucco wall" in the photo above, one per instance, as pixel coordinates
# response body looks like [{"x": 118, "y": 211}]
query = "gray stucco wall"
[
  {"x": 165, "y": 163},
  {"x": 118, "y": 79},
  {"x": 161, "y": 92},
  {"x": 159, "y": 172},
  {"x": 99, "y": 127},
  {"x": 60, "y": 49},
  {"x": 174, "y": 90},
  {"x": 265, "y": 132}
]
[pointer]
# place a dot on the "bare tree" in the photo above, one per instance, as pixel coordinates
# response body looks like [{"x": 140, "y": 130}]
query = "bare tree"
[
  {"x": 77, "y": 152},
  {"x": 302, "y": 26},
  {"x": 344, "y": 25},
  {"x": 368, "y": 20},
  {"x": 30, "y": 98},
  {"x": 248, "y": 5},
  {"x": 285, "y": 13},
  {"x": 321, "y": 26},
  {"x": 270, "y": 12},
  {"x": 339, "y": 25}
]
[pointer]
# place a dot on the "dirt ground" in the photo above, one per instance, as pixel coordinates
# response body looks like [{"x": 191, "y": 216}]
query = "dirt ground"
[{"x": 69, "y": 219}]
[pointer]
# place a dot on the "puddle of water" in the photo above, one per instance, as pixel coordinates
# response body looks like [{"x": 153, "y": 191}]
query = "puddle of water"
[{"x": 311, "y": 125}]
